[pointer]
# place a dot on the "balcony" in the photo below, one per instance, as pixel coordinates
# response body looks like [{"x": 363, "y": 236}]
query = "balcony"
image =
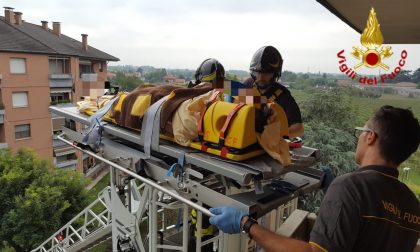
[
  {"x": 61, "y": 80},
  {"x": 63, "y": 150},
  {"x": 60, "y": 76},
  {"x": 89, "y": 77},
  {"x": 58, "y": 123},
  {"x": 69, "y": 164}
]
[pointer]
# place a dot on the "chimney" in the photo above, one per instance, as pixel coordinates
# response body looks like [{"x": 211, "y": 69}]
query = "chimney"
[
  {"x": 44, "y": 25},
  {"x": 8, "y": 15},
  {"x": 84, "y": 42},
  {"x": 18, "y": 18},
  {"x": 57, "y": 28}
]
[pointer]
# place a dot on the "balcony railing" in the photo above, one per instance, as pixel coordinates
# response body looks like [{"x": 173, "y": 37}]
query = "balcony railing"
[
  {"x": 60, "y": 76},
  {"x": 89, "y": 77},
  {"x": 67, "y": 164},
  {"x": 63, "y": 150}
]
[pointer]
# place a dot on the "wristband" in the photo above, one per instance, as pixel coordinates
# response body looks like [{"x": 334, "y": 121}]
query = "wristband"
[{"x": 247, "y": 225}]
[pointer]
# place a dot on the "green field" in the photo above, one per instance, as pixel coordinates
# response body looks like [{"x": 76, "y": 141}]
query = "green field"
[{"x": 365, "y": 107}]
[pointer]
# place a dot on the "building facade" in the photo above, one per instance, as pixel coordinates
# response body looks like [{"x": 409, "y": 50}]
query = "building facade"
[{"x": 40, "y": 67}]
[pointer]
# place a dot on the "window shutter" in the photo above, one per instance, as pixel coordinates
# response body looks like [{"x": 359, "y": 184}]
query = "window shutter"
[
  {"x": 17, "y": 66},
  {"x": 20, "y": 99}
]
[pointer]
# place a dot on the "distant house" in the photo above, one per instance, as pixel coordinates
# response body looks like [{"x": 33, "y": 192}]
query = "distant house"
[
  {"x": 135, "y": 74},
  {"x": 406, "y": 85},
  {"x": 172, "y": 79},
  {"x": 408, "y": 91},
  {"x": 169, "y": 79},
  {"x": 40, "y": 66}
]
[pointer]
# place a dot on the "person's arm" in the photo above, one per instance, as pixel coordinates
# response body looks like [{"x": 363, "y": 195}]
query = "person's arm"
[
  {"x": 294, "y": 117},
  {"x": 231, "y": 220},
  {"x": 271, "y": 241},
  {"x": 296, "y": 130}
]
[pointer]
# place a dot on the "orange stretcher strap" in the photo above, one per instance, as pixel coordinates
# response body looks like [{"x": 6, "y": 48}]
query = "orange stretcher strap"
[{"x": 222, "y": 134}]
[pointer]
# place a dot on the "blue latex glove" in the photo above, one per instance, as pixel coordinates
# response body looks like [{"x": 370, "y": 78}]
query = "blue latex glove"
[{"x": 227, "y": 219}]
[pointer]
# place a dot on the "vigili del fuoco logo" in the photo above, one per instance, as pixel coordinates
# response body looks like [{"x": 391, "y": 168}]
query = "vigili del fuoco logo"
[{"x": 372, "y": 55}]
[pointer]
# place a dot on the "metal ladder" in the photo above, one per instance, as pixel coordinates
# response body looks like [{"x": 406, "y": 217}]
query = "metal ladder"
[{"x": 93, "y": 223}]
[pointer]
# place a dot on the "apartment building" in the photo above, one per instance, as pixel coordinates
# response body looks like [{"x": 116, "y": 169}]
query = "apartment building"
[{"x": 40, "y": 66}]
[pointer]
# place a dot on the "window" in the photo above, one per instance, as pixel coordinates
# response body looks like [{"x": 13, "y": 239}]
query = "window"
[
  {"x": 59, "y": 65},
  {"x": 22, "y": 131},
  {"x": 17, "y": 66},
  {"x": 57, "y": 98},
  {"x": 20, "y": 99},
  {"x": 85, "y": 67},
  {"x": 70, "y": 124}
]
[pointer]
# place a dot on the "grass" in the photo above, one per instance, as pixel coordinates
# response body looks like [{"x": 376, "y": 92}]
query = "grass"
[
  {"x": 101, "y": 247},
  {"x": 365, "y": 107},
  {"x": 93, "y": 193}
]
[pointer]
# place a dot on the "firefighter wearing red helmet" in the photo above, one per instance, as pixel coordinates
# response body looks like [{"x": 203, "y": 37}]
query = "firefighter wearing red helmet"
[{"x": 265, "y": 70}]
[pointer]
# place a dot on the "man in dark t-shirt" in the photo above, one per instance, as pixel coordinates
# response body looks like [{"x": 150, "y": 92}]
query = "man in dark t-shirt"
[
  {"x": 367, "y": 210},
  {"x": 287, "y": 102},
  {"x": 265, "y": 68}
]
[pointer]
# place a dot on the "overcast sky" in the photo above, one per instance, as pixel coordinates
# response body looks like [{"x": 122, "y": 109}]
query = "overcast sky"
[{"x": 182, "y": 33}]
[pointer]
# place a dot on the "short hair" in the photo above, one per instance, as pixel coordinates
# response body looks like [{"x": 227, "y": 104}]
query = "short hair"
[{"x": 398, "y": 133}]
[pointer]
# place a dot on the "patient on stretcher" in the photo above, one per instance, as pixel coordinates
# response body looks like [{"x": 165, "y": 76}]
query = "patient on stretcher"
[{"x": 198, "y": 117}]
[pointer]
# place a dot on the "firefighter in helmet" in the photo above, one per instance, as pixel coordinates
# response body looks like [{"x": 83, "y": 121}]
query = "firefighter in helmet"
[
  {"x": 265, "y": 69},
  {"x": 210, "y": 70}
]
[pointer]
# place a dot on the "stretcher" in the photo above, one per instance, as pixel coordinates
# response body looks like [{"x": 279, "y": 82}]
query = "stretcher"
[
  {"x": 149, "y": 141},
  {"x": 237, "y": 125},
  {"x": 257, "y": 185}
]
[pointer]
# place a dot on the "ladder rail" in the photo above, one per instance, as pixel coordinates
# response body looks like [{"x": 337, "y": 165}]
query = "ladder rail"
[
  {"x": 142, "y": 179},
  {"x": 81, "y": 233}
]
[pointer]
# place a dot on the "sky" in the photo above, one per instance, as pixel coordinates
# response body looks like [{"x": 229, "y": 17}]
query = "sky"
[{"x": 182, "y": 33}]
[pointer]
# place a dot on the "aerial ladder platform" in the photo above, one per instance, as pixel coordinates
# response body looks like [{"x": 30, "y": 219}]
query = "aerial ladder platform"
[{"x": 154, "y": 185}]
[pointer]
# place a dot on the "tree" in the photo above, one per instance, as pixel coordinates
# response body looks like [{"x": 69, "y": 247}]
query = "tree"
[
  {"x": 35, "y": 199},
  {"x": 331, "y": 107},
  {"x": 329, "y": 120},
  {"x": 229, "y": 76},
  {"x": 126, "y": 83},
  {"x": 415, "y": 77},
  {"x": 288, "y": 76},
  {"x": 403, "y": 75},
  {"x": 155, "y": 76}
]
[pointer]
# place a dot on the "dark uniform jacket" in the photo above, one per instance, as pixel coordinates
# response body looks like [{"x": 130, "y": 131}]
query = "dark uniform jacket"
[
  {"x": 368, "y": 210},
  {"x": 281, "y": 95}
]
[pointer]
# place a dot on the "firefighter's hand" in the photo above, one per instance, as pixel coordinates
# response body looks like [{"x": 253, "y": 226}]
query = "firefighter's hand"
[{"x": 227, "y": 219}]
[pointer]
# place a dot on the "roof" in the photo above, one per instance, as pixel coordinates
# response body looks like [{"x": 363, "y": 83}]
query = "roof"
[
  {"x": 31, "y": 38},
  {"x": 169, "y": 77},
  {"x": 399, "y": 19},
  {"x": 406, "y": 84}
]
